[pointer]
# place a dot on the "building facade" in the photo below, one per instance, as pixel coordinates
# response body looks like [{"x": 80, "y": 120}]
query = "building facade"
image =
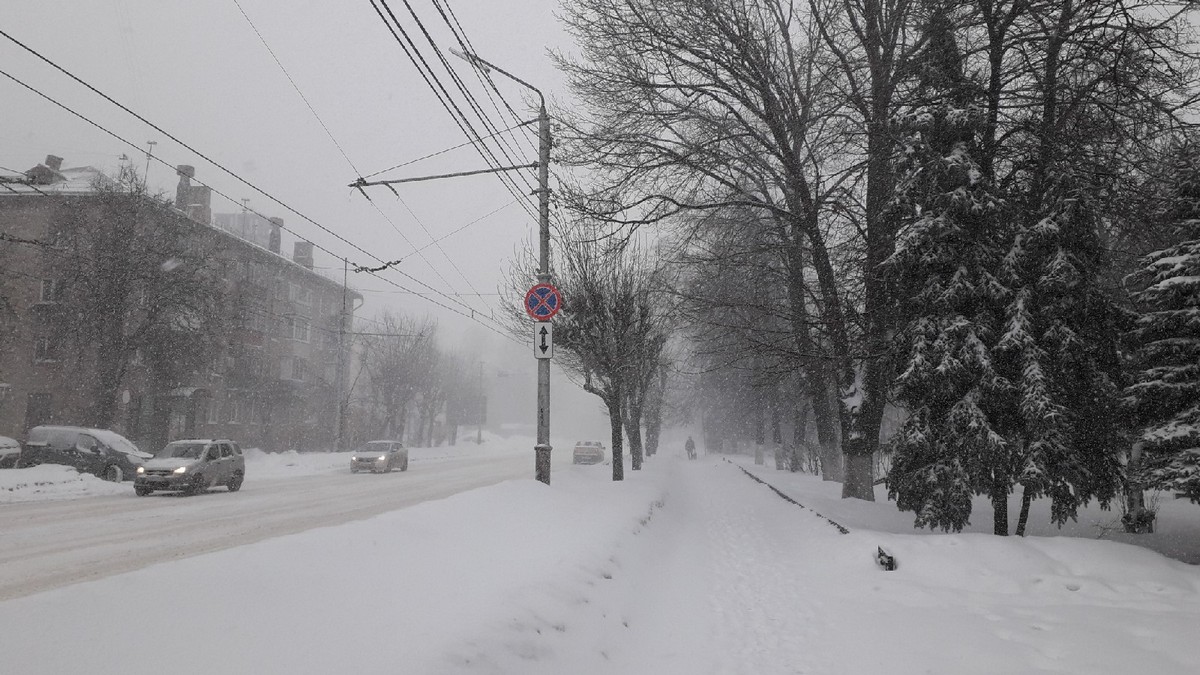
[{"x": 270, "y": 376}]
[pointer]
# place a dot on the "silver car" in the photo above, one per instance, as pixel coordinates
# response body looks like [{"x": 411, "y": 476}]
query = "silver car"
[
  {"x": 379, "y": 456},
  {"x": 192, "y": 466}
]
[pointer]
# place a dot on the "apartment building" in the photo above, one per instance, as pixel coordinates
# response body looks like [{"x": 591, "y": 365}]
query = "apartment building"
[{"x": 271, "y": 381}]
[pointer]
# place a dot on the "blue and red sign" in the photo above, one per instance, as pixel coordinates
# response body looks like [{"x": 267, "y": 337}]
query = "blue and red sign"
[{"x": 542, "y": 302}]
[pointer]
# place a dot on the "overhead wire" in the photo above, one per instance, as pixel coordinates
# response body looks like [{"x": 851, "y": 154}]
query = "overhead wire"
[
  {"x": 474, "y": 104},
  {"x": 262, "y": 38},
  {"x": 485, "y": 78},
  {"x": 454, "y": 147},
  {"x": 414, "y": 55},
  {"x": 239, "y": 178}
]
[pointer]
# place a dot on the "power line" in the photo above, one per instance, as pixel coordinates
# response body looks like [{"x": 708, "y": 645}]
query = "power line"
[
  {"x": 470, "y": 98},
  {"x": 461, "y": 36},
  {"x": 408, "y": 46},
  {"x": 329, "y": 133},
  {"x": 456, "y": 147},
  {"x": 231, "y": 199},
  {"x": 294, "y": 85},
  {"x": 228, "y": 171}
]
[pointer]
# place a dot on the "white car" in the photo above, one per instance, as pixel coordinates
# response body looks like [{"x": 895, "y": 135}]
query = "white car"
[
  {"x": 588, "y": 452},
  {"x": 10, "y": 452},
  {"x": 381, "y": 456}
]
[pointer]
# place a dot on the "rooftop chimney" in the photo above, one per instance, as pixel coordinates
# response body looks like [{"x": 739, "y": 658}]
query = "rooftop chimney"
[
  {"x": 200, "y": 203},
  {"x": 274, "y": 240},
  {"x": 54, "y": 162},
  {"x": 303, "y": 254},
  {"x": 183, "y": 196}
]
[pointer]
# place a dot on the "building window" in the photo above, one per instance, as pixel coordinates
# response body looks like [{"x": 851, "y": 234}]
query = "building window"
[
  {"x": 296, "y": 327},
  {"x": 300, "y": 294},
  {"x": 45, "y": 349},
  {"x": 51, "y": 291},
  {"x": 236, "y": 413},
  {"x": 293, "y": 368},
  {"x": 213, "y": 414}
]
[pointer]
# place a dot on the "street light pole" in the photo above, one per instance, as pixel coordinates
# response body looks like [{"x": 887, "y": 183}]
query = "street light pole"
[{"x": 543, "y": 448}]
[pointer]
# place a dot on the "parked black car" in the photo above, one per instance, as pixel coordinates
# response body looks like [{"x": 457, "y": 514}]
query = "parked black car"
[{"x": 104, "y": 453}]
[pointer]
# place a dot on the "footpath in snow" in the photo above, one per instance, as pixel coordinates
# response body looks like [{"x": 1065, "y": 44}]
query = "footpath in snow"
[{"x": 685, "y": 567}]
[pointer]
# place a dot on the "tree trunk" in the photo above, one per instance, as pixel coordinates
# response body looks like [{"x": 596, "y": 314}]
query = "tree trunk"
[
  {"x": 633, "y": 429},
  {"x": 1000, "y": 511},
  {"x": 799, "y": 456},
  {"x": 1023, "y": 518},
  {"x": 618, "y": 451}
]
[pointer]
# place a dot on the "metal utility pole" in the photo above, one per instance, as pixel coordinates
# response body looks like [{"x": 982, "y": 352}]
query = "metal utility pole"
[
  {"x": 339, "y": 439},
  {"x": 543, "y": 448}
]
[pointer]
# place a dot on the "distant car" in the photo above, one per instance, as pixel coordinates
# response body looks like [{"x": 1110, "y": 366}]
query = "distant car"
[
  {"x": 193, "y": 466},
  {"x": 10, "y": 452},
  {"x": 381, "y": 456},
  {"x": 104, "y": 453},
  {"x": 588, "y": 452}
]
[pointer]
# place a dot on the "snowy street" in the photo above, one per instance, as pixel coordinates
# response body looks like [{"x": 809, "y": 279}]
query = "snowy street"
[
  {"x": 54, "y": 543},
  {"x": 685, "y": 567}
]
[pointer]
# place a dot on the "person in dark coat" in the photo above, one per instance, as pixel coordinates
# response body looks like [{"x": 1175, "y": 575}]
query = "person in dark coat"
[{"x": 690, "y": 446}]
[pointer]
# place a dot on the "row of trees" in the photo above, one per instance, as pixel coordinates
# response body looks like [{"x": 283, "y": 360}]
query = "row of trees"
[
  {"x": 612, "y": 334},
  {"x": 934, "y": 205},
  {"x": 402, "y": 369}
]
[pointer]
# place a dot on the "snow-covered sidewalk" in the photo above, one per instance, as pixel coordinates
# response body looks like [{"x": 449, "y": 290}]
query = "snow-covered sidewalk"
[{"x": 685, "y": 567}]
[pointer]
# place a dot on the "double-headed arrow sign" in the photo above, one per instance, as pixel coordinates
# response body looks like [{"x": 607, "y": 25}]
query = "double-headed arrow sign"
[{"x": 543, "y": 340}]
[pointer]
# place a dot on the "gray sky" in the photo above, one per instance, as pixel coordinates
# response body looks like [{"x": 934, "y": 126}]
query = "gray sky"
[{"x": 199, "y": 71}]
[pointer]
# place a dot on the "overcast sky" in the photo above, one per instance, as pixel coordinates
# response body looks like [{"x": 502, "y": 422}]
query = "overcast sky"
[{"x": 200, "y": 71}]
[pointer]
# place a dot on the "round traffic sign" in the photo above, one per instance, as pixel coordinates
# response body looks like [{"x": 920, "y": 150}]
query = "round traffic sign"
[{"x": 542, "y": 302}]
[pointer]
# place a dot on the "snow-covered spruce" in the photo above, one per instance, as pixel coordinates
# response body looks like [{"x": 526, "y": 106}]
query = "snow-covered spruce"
[{"x": 1165, "y": 397}]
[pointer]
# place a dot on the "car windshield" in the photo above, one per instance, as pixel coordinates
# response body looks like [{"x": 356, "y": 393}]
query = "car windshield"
[
  {"x": 373, "y": 448},
  {"x": 181, "y": 450}
]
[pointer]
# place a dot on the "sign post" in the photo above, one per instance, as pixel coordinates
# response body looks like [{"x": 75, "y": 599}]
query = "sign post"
[{"x": 542, "y": 302}]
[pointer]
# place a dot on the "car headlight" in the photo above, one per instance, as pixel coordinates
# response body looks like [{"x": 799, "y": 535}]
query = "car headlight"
[
  {"x": 182, "y": 469},
  {"x": 383, "y": 458},
  {"x": 141, "y": 469}
]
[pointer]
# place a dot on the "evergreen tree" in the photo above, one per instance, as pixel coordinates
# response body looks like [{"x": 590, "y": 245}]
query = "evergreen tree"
[
  {"x": 1061, "y": 344},
  {"x": 1165, "y": 397},
  {"x": 952, "y": 445}
]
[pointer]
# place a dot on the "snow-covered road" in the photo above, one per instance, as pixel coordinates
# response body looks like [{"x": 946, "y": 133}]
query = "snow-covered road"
[
  {"x": 47, "y": 544},
  {"x": 684, "y": 568}
]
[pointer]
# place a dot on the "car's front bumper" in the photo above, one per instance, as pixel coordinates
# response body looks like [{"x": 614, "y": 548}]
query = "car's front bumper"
[
  {"x": 369, "y": 465},
  {"x": 182, "y": 481}
]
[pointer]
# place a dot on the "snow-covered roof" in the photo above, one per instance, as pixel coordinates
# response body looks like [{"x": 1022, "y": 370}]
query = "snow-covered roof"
[{"x": 78, "y": 180}]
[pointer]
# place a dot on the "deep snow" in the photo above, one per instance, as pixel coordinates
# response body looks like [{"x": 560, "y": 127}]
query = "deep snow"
[{"x": 685, "y": 567}]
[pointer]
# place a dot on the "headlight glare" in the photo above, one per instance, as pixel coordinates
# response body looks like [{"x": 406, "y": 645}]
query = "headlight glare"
[
  {"x": 382, "y": 458},
  {"x": 141, "y": 469},
  {"x": 182, "y": 469}
]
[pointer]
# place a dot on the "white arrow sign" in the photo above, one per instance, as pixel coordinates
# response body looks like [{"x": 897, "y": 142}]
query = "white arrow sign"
[{"x": 543, "y": 340}]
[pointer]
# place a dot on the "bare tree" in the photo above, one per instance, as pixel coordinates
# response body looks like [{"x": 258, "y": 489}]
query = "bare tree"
[
  {"x": 398, "y": 363},
  {"x": 137, "y": 278}
]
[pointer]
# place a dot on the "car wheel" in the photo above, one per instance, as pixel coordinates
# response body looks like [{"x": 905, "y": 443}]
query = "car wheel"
[
  {"x": 235, "y": 482},
  {"x": 353, "y": 470},
  {"x": 113, "y": 474},
  {"x": 142, "y": 491}
]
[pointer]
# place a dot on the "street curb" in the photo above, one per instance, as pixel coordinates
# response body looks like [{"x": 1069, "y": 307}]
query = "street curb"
[{"x": 786, "y": 498}]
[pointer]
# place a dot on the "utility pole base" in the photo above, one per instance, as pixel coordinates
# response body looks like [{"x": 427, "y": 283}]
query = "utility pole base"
[{"x": 542, "y": 462}]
